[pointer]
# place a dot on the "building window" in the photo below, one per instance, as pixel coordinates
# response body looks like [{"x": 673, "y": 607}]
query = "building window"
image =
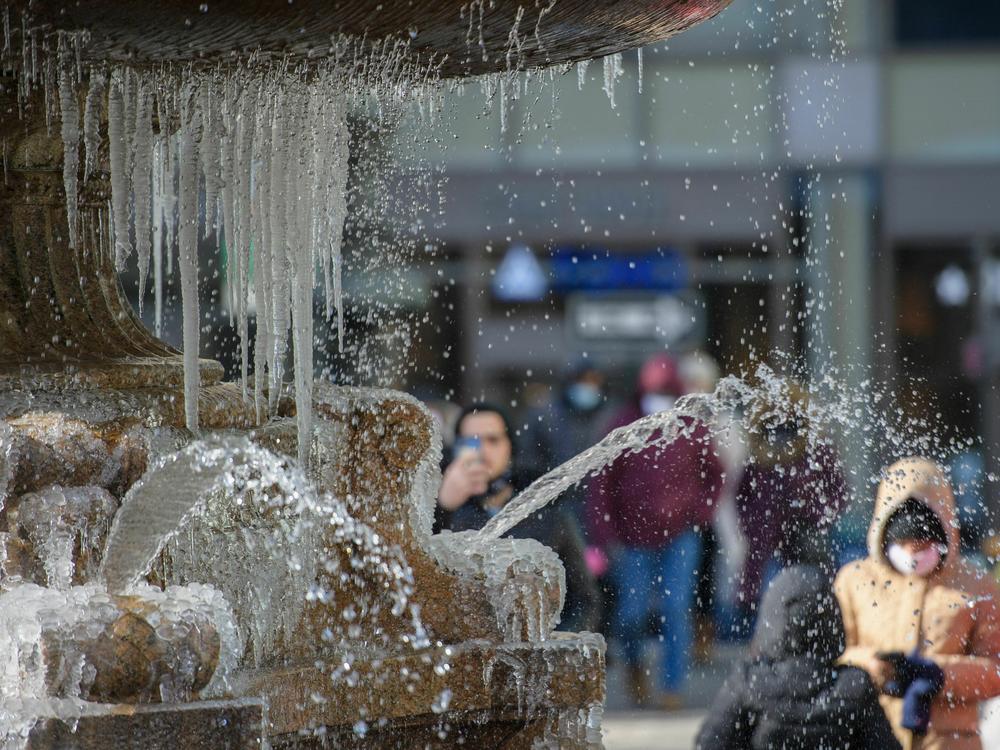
[{"x": 932, "y": 22}]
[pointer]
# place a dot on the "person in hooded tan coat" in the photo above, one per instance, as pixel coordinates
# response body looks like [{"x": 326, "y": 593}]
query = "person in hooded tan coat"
[{"x": 949, "y": 615}]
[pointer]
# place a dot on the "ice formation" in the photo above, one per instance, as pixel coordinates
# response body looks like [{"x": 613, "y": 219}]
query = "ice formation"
[
  {"x": 70, "y": 119},
  {"x": 270, "y": 145},
  {"x": 613, "y": 70},
  {"x": 54, "y": 643},
  {"x": 235, "y": 516},
  {"x": 68, "y": 528}
]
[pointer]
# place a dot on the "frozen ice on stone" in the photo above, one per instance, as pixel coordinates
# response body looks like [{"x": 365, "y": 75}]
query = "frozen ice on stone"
[
  {"x": 41, "y": 448},
  {"x": 27, "y": 613},
  {"x": 56, "y": 645},
  {"x": 66, "y": 528},
  {"x": 234, "y": 515}
]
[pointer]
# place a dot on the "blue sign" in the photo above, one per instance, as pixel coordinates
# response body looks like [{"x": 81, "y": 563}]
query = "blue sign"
[{"x": 575, "y": 269}]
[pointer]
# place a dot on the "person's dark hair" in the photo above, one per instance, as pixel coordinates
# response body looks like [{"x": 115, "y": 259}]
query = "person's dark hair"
[
  {"x": 484, "y": 407},
  {"x": 914, "y": 520}
]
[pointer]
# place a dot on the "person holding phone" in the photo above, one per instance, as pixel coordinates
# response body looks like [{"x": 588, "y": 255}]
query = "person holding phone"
[
  {"x": 919, "y": 618},
  {"x": 482, "y": 478}
]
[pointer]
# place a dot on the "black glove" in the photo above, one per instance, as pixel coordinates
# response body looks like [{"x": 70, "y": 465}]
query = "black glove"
[
  {"x": 897, "y": 684},
  {"x": 927, "y": 681},
  {"x": 916, "y": 680}
]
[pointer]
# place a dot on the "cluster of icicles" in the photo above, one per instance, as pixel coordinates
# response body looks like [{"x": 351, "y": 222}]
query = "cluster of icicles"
[{"x": 270, "y": 150}]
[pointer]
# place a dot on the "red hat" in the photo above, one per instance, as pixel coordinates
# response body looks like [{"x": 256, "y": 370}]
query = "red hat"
[{"x": 659, "y": 374}]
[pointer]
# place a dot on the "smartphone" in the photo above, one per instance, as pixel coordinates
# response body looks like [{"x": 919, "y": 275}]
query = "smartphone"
[{"x": 463, "y": 444}]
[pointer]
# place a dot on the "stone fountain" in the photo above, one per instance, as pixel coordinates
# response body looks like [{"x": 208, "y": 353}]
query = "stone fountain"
[{"x": 142, "y": 511}]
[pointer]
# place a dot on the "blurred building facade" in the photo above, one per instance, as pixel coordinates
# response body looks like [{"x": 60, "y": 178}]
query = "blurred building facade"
[{"x": 819, "y": 178}]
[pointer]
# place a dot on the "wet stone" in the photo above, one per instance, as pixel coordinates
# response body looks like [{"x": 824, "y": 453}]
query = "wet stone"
[{"x": 38, "y": 450}]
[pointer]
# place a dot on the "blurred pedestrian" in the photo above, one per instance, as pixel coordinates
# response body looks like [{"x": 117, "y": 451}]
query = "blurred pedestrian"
[
  {"x": 643, "y": 510},
  {"x": 569, "y": 424},
  {"x": 789, "y": 693},
  {"x": 482, "y": 478},
  {"x": 723, "y": 548},
  {"x": 791, "y": 491},
  {"x": 921, "y": 620}
]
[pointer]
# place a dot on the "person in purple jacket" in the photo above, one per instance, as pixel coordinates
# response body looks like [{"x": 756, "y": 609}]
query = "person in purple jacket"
[
  {"x": 643, "y": 510},
  {"x": 791, "y": 492}
]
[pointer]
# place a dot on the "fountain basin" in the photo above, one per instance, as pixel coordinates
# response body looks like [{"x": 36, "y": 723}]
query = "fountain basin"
[
  {"x": 476, "y": 693},
  {"x": 231, "y": 724},
  {"x": 455, "y": 37}
]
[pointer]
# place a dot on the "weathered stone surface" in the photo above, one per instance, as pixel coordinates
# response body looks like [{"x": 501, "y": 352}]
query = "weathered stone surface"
[
  {"x": 18, "y": 563},
  {"x": 220, "y": 725},
  {"x": 512, "y": 685},
  {"x": 39, "y": 449},
  {"x": 373, "y": 466},
  {"x": 458, "y": 37}
]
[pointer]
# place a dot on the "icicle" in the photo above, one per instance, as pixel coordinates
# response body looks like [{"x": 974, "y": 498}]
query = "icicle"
[
  {"x": 48, "y": 81},
  {"x": 340, "y": 170},
  {"x": 142, "y": 166},
  {"x": 638, "y": 61},
  {"x": 581, "y": 73},
  {"x": 70, "y": 115},
  {"x": 158, "y": 155},
  {"x": 279, "y": 256},
  {"x": 227, "y": 149},
  {"x": 243, "y": 204},
  {"x": 262, "y": 266},
  {"x": 129, "y": 101},
  {"x": 503, "y": 103},
  {"x": 301, "y": 266},
  {"x": 170, "y": 197},
  {"x": 188, "y": 256},
  {"x": 210, "y": 154},
  {"x": 6, "y": 32},
  {"x": 612, "y": 72},
  {"x": 119, "y": 187},
  {"x": 92, "y": 122}
]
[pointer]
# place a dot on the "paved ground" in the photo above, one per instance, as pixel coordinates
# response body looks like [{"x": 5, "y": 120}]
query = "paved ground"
[
  {"x": 650, "y": 730},
  {"x": 628, "y": 729}
]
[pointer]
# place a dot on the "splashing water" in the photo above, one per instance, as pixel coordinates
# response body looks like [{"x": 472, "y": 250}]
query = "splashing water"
[
  {"x": 864, "y": 414},
  {"x": 236, "y": 516}
]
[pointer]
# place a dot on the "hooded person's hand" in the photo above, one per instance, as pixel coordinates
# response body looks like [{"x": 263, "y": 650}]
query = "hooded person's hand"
[{"x": 917, "y": 681}]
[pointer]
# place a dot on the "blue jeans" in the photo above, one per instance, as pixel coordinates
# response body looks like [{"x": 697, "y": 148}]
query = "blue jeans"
[{"x": 664, "y": 580}]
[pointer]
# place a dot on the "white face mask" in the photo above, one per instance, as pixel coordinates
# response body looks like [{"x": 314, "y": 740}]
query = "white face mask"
[
  {"x": 921, "y": 563},
  {"x": 652, "y": 403}
]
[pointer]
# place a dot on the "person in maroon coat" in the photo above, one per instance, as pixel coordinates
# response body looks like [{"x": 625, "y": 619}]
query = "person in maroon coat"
[{"x": 643, "y": 510}]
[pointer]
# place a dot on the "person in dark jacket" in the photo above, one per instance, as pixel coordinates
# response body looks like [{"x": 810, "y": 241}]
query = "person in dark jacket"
[
  {"x": 790, "y": 694},
  {"x": 479, "y": 482}
]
